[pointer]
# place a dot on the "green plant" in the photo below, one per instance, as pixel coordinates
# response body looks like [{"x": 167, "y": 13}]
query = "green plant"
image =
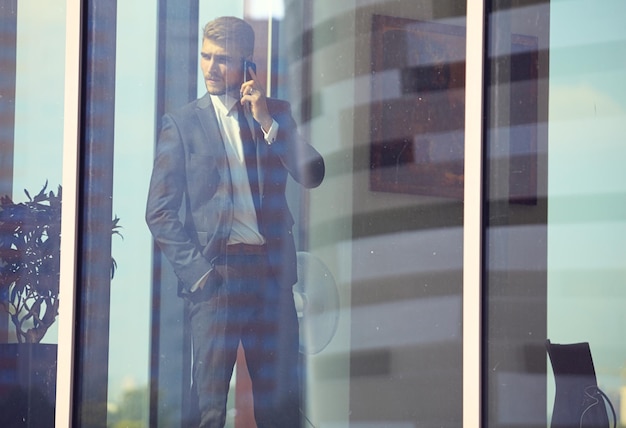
[{"x": 30, "y": 249}]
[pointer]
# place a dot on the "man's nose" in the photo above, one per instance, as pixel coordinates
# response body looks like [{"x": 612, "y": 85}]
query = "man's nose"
[{"x": 211, "y": 65}]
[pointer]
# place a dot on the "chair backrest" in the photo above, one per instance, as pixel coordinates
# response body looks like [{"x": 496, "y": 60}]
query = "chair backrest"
[{"x": 578, "y": 402}]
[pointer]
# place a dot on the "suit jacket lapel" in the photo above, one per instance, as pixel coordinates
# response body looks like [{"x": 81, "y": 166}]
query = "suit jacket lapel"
[
  {"x": 208, "y": 119},
  {"x": 210, "y": 126}
]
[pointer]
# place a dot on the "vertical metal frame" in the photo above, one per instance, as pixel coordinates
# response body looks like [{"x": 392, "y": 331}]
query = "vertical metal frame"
[
  {"x": 95, "y": 212},
  {"x": 473, "y": 214},
  {"x": 8, "y": 53},
  {"x": 69, "y": 223}
]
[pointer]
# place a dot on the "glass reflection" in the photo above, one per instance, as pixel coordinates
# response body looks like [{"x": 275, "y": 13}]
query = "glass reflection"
[
  {"x": 555, "y": 269},
  {"x": 224, "y": 159},
  {"x": 382, "y": 341},
  {"x": 130, "y": 292},
  {"x": 31, "y": 137},
  {"x": 586, "y": 211},
  {"x": 516, "y": 213}
]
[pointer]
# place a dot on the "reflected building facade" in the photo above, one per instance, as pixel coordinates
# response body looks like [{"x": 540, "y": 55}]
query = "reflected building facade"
[{"x": 380, "y": 89}]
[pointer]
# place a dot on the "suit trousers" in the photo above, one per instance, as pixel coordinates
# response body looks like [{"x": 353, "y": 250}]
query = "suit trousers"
[{"x": 246, "y": 306}]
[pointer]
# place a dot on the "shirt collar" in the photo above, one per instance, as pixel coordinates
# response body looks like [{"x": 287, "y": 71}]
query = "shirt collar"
[{"x": 224, "y": 103}]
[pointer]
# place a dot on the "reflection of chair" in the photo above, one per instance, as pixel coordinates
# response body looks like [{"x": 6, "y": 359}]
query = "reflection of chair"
[{"x": 578, "y": 403}]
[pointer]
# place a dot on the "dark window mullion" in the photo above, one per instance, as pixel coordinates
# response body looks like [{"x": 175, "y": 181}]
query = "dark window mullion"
[{"x": 95, "y": 213}]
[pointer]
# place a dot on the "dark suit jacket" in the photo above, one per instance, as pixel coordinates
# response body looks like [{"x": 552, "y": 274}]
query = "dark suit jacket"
[{"x": 190, "y": 208}]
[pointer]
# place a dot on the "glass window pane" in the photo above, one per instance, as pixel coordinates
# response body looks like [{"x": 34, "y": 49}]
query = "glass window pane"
[
  {"x": 373, "y": 322},
  {"x": 588, "y": 103},
  {"x": 129, "y": 334},
  {"x": 516, "y": 250},
  {"x": 32, "y": 40},
  {"x": 554, "y": 270}
]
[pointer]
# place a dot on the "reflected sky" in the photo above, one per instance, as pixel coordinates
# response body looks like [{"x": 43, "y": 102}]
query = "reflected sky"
[
  {"x": 587, "y": 180},
  {"x": 39, "y": 92}
]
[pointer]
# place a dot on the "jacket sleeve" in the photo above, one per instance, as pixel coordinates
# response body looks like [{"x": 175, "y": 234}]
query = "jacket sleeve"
[
  {"x": 165, "y": 207},
  {"x": 299, "y": 158}
]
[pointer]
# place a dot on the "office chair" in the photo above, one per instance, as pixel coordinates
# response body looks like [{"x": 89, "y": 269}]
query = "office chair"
[{"x": 578, "y": 402}]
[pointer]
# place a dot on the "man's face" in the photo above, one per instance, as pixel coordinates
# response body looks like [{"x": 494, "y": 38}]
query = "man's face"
[{"x": 222, "y": 68}]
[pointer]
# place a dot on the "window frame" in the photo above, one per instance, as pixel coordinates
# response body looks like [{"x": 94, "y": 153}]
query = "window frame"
[
  {"x": 69, "y": 216},
  {"x": 473, "y": 223}
]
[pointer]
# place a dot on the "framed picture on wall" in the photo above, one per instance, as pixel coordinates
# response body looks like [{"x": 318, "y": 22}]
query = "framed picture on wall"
[
  {"x": 418, "y": 107},
  {"x": 418, "y": 110}
]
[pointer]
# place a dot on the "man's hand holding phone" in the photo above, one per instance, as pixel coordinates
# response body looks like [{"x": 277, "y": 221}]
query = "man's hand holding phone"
[{"x": 253, "y": 94}]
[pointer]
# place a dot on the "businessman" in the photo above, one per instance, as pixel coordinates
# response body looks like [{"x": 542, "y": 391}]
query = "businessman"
[{"x": 217, "y": 209}]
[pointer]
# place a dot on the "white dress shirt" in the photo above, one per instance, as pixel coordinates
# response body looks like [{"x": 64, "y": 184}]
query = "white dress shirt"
[{"x": 245, "y": 228}]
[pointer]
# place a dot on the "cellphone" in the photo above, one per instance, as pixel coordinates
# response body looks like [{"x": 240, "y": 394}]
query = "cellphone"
[{"x": 247, "y": 65}]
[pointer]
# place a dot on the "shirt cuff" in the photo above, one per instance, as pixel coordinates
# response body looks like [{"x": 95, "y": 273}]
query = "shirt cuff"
[
  {"x": 199, "y": 283},
  {"x": 270, "y": 135}
]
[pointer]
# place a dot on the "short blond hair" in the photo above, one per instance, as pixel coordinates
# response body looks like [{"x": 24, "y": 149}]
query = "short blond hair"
[{"x": 231, "y": 31}]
